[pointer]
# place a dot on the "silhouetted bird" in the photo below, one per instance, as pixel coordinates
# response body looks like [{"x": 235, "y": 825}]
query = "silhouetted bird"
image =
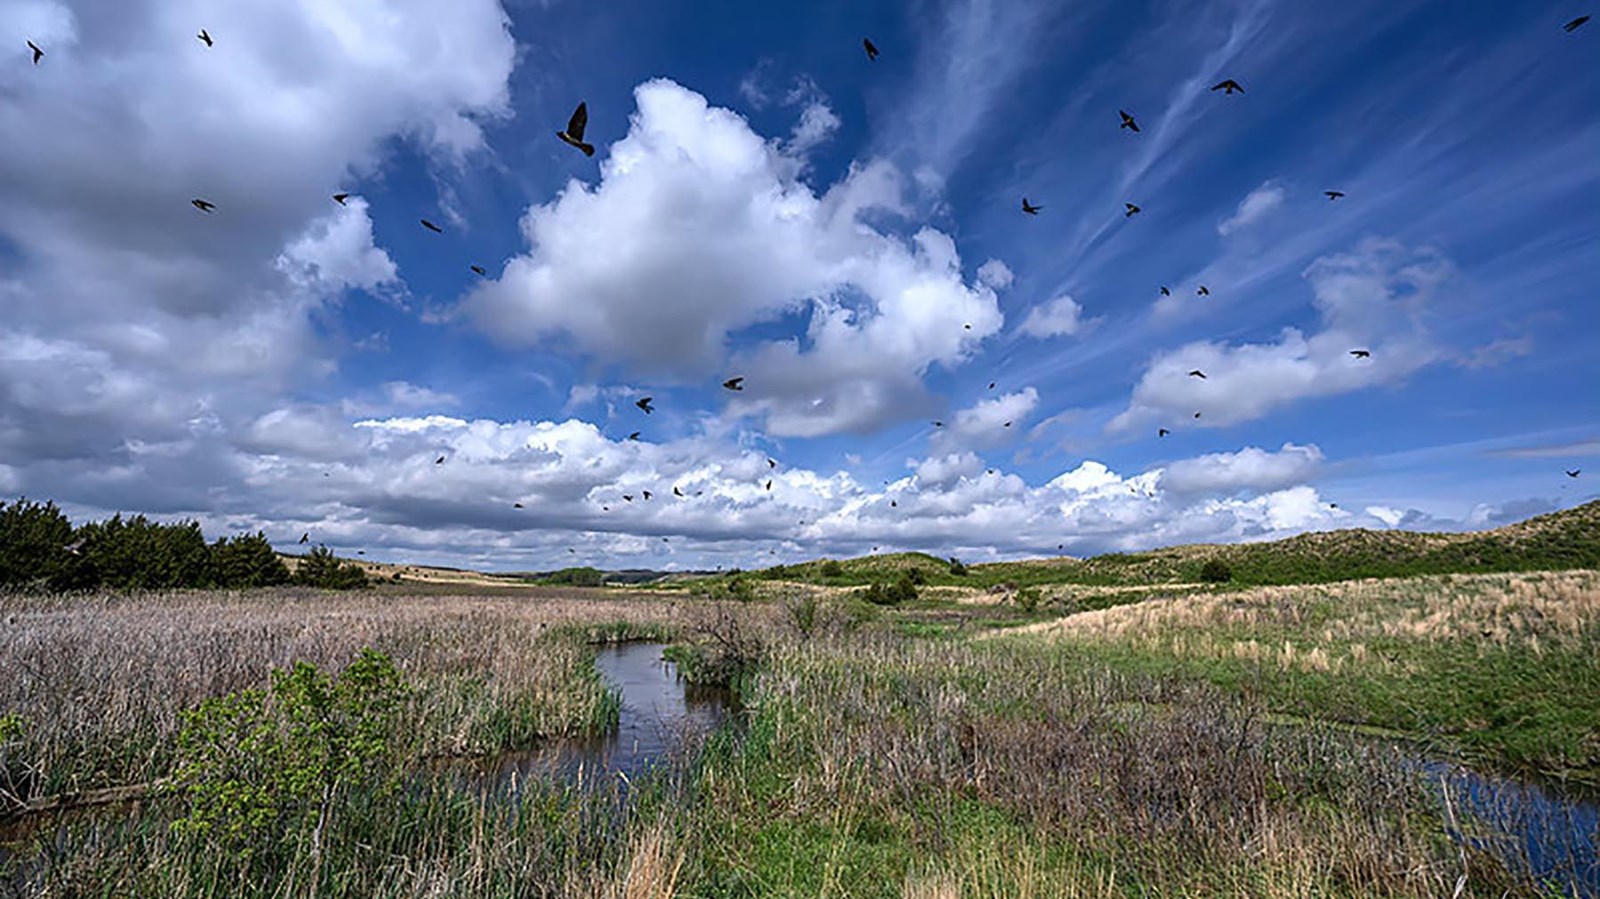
[
  {"x": 439, "y": 461},
  {"x": 478, "y": 270},
  {"x": 769, "y": 483},
  {"x": 516, "y": 505},
  {"x": 1361, "y": 354},
  {"x": 1162, "y": 432},
  {"x": 1333, "y": 194},
  {"x": 1132, "y": 209},
  {"x": 1030, "y": 208},
  {"x": 306, "y": 537},
  {"x": 967, "y": 327},
  {"x": 991, "y": 385},
  {"x": 648, "y": 494},
  {"x": 645, "y": 405},
  {"x": 938, "y": 424},
  {"x": 1574, "y": 473},
  {"x": 204, "y": 37},
  {"x": 571, "y": 550},
  {"x": 676, "y": 492},
  {"x": 734, "y": 383},
  {"x": 1128, "y": 122},
  {"x": 575, "y": 128},
  {"x": 203, "y": 205},
  {"x": 1008, "y": 424},
  {"x": 39, "y": 54},
  {"x": 1575, "y": 24},
  {"x": 1197, "y": 373},
  {"x": 1165, "y": 292},
  {"x": 634, "y": 436},
  {"x": 1228, "y": 86},
  {"x": 1203, "y": 291},
  {"x": 628, "y": 497},
  {"x": 361, "y": 552},
  {"x": 872, "y": 49},
  {"x": 772, "y": 463},
  {"x": 340, "y": 198},
  {"x": 431, "y": 226},
  {"x": 894, "y": 503},
  {"x": 1197, "y": 415}
]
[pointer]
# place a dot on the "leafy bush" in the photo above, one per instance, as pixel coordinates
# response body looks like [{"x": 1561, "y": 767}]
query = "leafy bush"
[
  {"x": 832, "y": 568},
  {"x": 902, "y": 590},
  {"x": 956, "y": 568},
  {"x": 1028, "y": 599},
  {"x": 321, "y": 568},
  {"x": 257, "y": 766},
  {"x": 916, "y": 577},
  {"x": 1216, "y": 571},
  {"x": 577, "y": 577},
  {"x": 246, "y": 560}
]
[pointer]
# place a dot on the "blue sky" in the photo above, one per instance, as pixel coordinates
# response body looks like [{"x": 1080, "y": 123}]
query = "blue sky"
[{"x": 766, "y": 202}]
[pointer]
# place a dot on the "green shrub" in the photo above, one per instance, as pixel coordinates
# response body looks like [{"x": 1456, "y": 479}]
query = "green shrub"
[
  {"x": 916, "y": 577},
  {"x": 577, "y": 577},
  {"x": 956, "y": 568},
  {"x": 1028, "y": 599},
  {"x": 258, "y": 766},
  {"x": 246, "y": 560},
  {"x": 883, "y": 594},
  {"x": 139, "y": 554},
  {"x": 321, "y": 568},
  {"x": 832, "y": 568},
  {"x": 1216, "y": 571},
  {"x": 33, "y": 546}
]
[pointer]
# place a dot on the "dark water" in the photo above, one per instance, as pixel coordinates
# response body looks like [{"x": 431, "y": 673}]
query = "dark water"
[
  {"x": 661, "y": 717},
  {"x": 1546, "y": 833}
]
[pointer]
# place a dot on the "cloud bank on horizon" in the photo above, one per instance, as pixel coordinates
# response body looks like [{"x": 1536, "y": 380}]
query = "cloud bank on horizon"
[{"x": 924, "y": 366}]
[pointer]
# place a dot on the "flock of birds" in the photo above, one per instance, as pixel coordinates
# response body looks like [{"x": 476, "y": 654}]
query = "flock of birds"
[{"x": 573, "y": 136}]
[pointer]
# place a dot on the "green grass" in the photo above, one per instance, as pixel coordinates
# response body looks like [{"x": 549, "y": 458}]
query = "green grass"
[
  {"x": 1501, "y": 668},
  {"x": 1558, "y": 541}
]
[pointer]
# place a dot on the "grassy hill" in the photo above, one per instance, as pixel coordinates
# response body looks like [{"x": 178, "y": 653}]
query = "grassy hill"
[{"x": 1561, "y": 540}]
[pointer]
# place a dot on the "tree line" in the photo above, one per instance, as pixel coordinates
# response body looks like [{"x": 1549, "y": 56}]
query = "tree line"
[{"x": 41, "y": 549}]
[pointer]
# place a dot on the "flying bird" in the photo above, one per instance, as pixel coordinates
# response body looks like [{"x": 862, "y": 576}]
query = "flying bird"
[
  {"x": 1128, "y": 122},
  {"x": 1574, "y": 473},
  {"x": 628, "y": 497},
  {"x": 676, "y": 492},
  {"x": 1203, "y": 291},
  {"x": 1228, "y": 86},
  {"x": 1575, "y": 24},
  {"x": 76, "y": 545},
  {"x": 39, "y": 54},
  {"x": 431, "y": 226},
  {"x": 894, "y": 503},
  {"x": 1008, "y": 424},
  {"x": 1131, "y": 210},
  {"x": 991, "y": 385},
  {"x": 1162, "y": 432},
  {"x": 1333, "y": 194},
  {"x": 967, "y": 326},
  {"x": 645, "y": 405},
  {"x": 734, "y": 383},
  {"x": 634, "y": 436},
  {"x": 1361, "y": 354},
  {"x": 772, "y": 463},
  {"x": 938, "y": 424},
  {"x": 1197, "y": 415},
  {"x": 1197, "y": 373},
  {"x": 478, "y": 270},
  {"x": 305, "y": 538},
  {"x": 204, "y": 36},
  {"x": 1165, "y": 292},
  {"x": 648, "y": 494},
  {"x": 340, "y": 198},
  {"x": 1029, "y": 208},
  {"x": 872, "y": 49},
  {"x": 439, "y": 461},
  {"x": 769, "y": 484},
  {"x": 516, "y": 505},
  {"x": 203, "y": 205},
  {"x": 575, "y": 128}
]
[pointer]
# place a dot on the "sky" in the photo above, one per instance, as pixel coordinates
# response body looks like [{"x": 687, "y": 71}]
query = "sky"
[{"x": 845, "y": 234}]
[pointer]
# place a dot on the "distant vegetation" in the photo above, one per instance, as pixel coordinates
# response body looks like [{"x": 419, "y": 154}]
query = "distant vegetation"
[
  {"x": 40, "y": 549},
  {"x": 1559, "y": 541}
]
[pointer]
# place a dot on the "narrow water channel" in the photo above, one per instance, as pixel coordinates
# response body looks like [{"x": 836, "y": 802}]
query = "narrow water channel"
[{"x": 661, "y": 716}]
